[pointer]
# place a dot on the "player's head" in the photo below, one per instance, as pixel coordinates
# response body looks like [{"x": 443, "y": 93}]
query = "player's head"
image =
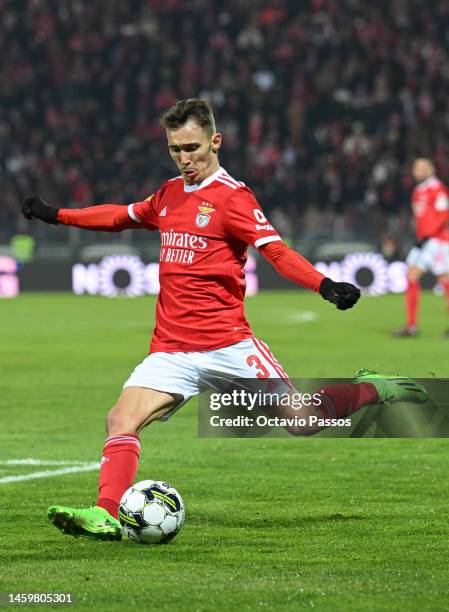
[
  {"x": 422, "y": 169},
  {"x": 193, "y": 141}
]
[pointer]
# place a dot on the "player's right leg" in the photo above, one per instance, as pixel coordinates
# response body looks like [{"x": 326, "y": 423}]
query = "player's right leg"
[
  {"x": 157, "y": 387},
  {"x": 136, "y": 408},
  {"x": 412, "y": 295}
]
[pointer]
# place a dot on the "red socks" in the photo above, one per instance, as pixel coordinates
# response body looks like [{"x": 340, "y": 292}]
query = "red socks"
[
  {"x": 339, "y": 401},
  {"x": 118, "y": 469},
  {"x": 412, "y": 302}
]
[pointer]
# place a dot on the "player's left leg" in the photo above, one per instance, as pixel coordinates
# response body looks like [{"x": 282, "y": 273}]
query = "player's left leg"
[
  {"x": 250, "y": 364},
  {"x": 334, "y": 402},
  {"x": 252, "y": 359}
]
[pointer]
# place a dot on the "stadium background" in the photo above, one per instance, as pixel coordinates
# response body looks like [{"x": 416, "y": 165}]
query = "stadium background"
[{"x": 322, "y": 106}]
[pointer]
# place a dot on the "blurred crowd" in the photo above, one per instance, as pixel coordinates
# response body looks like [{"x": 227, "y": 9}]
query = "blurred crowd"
[{"x": 322, "y": 103}]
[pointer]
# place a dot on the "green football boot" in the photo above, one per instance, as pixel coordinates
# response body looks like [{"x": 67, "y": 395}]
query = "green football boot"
[
  {"x": 393, "y": 388},
  {"x": 94, "y": 523}
]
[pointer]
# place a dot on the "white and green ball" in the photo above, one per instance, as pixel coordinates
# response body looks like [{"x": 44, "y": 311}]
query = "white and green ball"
[{"x": 151, "y": 512}]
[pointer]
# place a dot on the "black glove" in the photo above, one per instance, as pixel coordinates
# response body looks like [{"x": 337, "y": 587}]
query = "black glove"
[
  {"x": 39, "y": 209},
  {"x": 420, "y": 242},
  {"x": 343, "y": 295}
]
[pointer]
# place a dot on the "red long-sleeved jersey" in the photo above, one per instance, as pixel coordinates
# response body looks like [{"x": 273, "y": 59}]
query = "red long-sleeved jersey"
[{"x": 205, "y": 231}]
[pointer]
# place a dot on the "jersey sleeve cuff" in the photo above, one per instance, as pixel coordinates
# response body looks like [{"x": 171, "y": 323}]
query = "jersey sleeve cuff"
[
  {"x": 132, "y": 214},
  {"x": 261, "y": 241}
]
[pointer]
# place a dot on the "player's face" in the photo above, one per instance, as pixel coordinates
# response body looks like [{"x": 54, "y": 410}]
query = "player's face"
[
  {"x": 194, "y": 151},
  {"x": 422, "y": 169}
]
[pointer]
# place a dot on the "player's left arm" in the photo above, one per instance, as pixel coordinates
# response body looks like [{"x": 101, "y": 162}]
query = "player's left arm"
[
  {"x": 299, "y": 270},
  {"x": 245, "y": 220}
]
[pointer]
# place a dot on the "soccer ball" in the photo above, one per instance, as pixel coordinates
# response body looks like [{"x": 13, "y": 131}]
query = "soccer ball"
[{"x": 151, "y": 512}]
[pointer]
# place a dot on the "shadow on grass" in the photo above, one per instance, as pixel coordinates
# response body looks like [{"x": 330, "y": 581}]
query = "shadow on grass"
[{"x": 203, "y": 534}]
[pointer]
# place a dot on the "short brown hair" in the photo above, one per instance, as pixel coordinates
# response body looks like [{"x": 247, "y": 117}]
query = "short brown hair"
[{"x": 191, "y": 108}]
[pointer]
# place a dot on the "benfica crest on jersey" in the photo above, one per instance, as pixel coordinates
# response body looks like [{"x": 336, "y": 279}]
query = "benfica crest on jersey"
[
  {"x": 203, "y": 216},
  {"x": 202, "y": 220}
]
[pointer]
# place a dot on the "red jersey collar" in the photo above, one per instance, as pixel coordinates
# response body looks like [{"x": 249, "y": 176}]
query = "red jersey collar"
[{"x": 207, "y": 181}]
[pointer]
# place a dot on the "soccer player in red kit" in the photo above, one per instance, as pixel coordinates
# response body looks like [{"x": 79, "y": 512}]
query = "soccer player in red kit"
[
  {"x": 206, "y": 221},
  {"x": 430, "y": 204}
]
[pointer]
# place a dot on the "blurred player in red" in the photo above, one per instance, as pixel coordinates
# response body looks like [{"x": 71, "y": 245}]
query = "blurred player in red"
[
  {"x": 430, "y": 203},
  {"x": 206, "y": 221}
]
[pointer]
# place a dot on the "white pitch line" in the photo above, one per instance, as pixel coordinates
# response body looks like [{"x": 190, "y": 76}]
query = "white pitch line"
[
  {"x": 306, "y": 316},
  {"x": 89, "y": 467},
  {"x": 31, "y": 461}
]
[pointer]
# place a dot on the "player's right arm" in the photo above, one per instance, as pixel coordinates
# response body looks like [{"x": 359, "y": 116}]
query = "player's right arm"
[{"x": 104, "y": 217}]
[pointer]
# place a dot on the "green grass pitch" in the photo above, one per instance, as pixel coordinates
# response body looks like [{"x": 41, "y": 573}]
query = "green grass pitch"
[{"x": 272, "y": 524}]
